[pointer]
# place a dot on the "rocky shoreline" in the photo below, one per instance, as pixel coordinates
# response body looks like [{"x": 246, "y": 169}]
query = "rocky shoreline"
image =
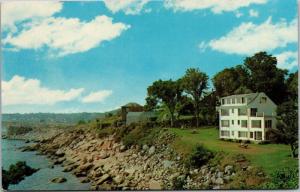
[{"x": 108, "y": 165}]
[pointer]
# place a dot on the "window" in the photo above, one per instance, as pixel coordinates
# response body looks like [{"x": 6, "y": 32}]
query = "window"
[
  {"x": 233, "y": 101},
  {"x": 244, "y": 123},
  {"x": 238, "y": 100},
  {"x": 243, "y": 134},
  {"x": 228, "y": 101},
  {"x": 224, "y": 123},
  {"x": 232, "y": 110},
  {"x": 224, "y": 112},
  {"x": 232, "y": 122},
  {"x": 263, "y": 100},
  {"x": 232, "y": 133},
  {"x": 223, "y": 101},
  {"x": 225, "y": 133},
  {"x": 238, "y": 122},
  {"x": 253, "y": 112},
  {"x": 251, "y": 134},
  {"x": 268, "y": 123},
  {"x": 258, "y": 135},
  {"x": 242, "y": 112},
  {"x": 243, "y": 100},
  {"x": 256, "y": 123}
]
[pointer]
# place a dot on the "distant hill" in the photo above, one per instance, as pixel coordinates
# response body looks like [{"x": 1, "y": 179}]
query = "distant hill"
[{"x": 67, "y": 118}]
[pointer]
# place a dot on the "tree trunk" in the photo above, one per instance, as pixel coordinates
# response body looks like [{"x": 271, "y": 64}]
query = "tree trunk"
[
  {"x": 294, "y": 150},
  {"x": 172, "y": 119},
  {"x": 197, "y": 114}
]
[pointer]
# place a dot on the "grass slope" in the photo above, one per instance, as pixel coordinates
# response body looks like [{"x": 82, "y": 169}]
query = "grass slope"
[{"x": 268, "y": 156}]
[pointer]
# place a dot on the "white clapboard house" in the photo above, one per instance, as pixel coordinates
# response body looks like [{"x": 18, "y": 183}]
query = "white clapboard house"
[{"x": 246, "y": 117}]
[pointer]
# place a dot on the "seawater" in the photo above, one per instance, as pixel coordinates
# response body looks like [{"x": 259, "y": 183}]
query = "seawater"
[{"x": 40, "y": 180}]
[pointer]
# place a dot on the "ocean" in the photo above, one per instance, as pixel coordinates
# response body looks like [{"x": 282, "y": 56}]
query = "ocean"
[{"x": 40, "y": 180}]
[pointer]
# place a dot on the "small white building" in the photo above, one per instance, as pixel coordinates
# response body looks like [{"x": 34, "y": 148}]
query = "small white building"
[{"x": 246, "y": 117}]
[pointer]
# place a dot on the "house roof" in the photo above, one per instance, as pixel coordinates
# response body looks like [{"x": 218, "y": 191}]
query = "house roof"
[
  {"x": 240, "y": 95},
  {"x": 252, "y": 97}
]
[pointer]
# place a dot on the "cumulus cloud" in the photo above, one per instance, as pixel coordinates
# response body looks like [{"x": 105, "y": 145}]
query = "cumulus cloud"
[
  {"x": 253, "y": 13},
  {"x": 14, "y": 12},
  {"x": 249, "y": 38},
  {"x": 238, "y": 14},
  {"x": 20, "y": 90},
  {"x": 129, "y": 7},
  {"x": 287, "y": 60},
  {"x": 66, "y": 36},
  {"x": 216, "y": 6},
  {"x": 98, "y": 96}
]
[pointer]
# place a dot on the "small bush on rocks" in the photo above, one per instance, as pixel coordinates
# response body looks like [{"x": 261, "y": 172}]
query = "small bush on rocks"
[{"x": 200, "y": 156}]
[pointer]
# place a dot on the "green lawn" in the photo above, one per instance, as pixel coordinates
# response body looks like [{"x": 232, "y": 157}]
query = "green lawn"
[{"x": 267, "y": 156}]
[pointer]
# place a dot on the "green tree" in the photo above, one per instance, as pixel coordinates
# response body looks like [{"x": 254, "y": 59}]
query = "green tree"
[
  {"x": 266, "y": 77},
  {"x": 287, "y": 126},
  {"x": 231, "y": 81},
  {"x": 151, "y": 103},
  {"x": 292, "y": 86},
  {"x": 166, "y": 92},
  {"x": 194, "y": 83}
]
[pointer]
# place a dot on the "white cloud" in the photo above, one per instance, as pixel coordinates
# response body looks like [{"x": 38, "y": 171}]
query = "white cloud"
[
  {"x": 249, "y": 38},
  {"x": 98, "y": 96},
  {"x": 253, "y": 13},
  {"x": 287, "y": 60},
  {"x": 13, "y": 12},
  {"x": 216, "y": 6},
  {"x": 129, "y": 7},
  {"x": 202, "y": 46},
  {"x": 66, "y": 35},
  {"x": 19, "y": 90},
  {"x": 238, "y": 14}
]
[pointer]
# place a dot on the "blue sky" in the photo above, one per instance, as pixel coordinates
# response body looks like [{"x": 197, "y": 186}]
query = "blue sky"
[{"x": 97, "y": 56}]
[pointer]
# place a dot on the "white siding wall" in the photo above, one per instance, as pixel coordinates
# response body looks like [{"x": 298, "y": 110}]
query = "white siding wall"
[{"x": 268, "y": 108}]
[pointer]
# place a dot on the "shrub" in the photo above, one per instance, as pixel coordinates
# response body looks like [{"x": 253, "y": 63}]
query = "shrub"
[
  {"x": 178, "y": 183},
  {"x": 286, "y": 178},
  {"x": 199, "y": 156},
  {"x": 16, "y": 173},
  {"x": 136, "y": 134}
]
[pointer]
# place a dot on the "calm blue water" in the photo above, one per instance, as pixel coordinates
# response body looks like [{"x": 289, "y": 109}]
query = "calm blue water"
[{"x": 40, "y": 180}]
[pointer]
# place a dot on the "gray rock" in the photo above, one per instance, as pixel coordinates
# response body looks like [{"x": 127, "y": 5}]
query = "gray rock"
[
  {"x": 227, "y": 178},
  {"x": 167, "y": 164},
  {"x": 103, "y": 178},
  {"x": 220, "y": 174},
  {"x": 145, "y": 147},
  {"x": 228, "y": 169},
  {"x": 84, "y": 180},
  {"x": 103, "y": 155},
  {"x": 219, "y": 181},
  {"x": 60, "y": 153},
  {"x": 151, "y": 150},
  {"x": 216, "y": 187},
  {"x": 122, "y": 148},
  {"x": 58, "y": 180},
  {"x": 118, "y": 179}
]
